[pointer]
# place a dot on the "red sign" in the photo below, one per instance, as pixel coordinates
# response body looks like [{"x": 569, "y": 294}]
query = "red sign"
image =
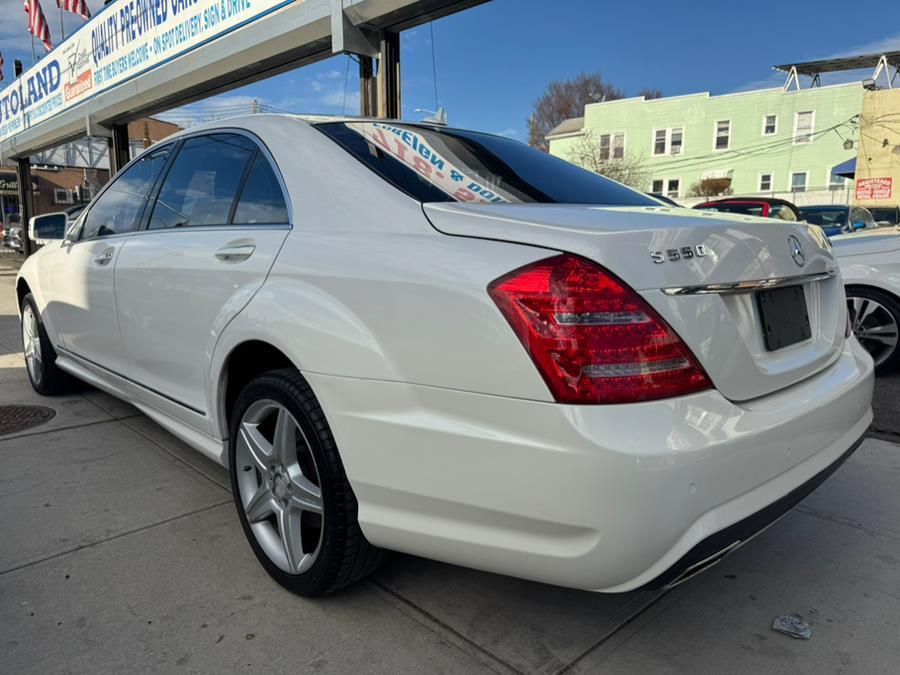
[
  {"x": 79, "y": 86},
  {"x": 874, "y": 188}
]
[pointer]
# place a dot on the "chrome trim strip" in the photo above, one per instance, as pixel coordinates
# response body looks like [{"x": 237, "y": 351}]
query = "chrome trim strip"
[{"x": 731, "y": 288}]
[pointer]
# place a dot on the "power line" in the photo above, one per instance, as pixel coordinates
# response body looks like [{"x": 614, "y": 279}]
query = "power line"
[{"x": 736, "y": 155}]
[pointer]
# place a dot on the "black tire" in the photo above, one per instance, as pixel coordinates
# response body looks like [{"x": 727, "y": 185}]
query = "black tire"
[
  {"x": 344, "y": 556},
  {"x": 886, "y": 359},
  {"x": 47, "y": 379}
]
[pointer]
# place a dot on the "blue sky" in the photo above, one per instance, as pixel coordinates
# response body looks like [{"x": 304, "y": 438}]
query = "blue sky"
[{"x": 494, "y": 60}]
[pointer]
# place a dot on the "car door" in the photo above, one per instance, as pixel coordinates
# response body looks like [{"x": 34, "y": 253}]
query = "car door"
[
  {"x": 82, "y": 305},
  {"x": 218, "y": 220}
]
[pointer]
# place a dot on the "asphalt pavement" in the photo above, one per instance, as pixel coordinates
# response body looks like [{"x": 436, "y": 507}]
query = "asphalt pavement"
[{"x": 122, "y": 551}]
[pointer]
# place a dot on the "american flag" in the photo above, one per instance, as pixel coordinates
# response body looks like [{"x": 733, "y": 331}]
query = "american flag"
[
  {"x": 76, "y": 7},
  {"x": 37, "y": 24}
]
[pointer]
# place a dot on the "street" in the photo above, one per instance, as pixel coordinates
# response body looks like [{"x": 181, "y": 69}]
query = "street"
[{"x": 123, "y": 551}]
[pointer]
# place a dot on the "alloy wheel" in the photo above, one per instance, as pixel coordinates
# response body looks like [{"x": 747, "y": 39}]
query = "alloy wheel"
[
  {"x": 874, "y": 326},
  {"x": 31, "y": 341},
  {"x": 279, "y": 486}
]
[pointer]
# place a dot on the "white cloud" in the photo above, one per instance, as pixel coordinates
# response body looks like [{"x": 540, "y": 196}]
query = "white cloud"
[
  {"x": 217, "y": 107},
  {"x": 510, "y": 132}
]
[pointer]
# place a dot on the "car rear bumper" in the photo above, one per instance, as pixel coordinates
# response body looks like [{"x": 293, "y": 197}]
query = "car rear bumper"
[
  {"x": 608, "y": 498},
  {"x": 711, "y": 550}
]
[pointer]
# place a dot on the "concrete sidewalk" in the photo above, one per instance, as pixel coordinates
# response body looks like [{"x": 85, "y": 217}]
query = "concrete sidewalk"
[{"x": 122, "y": 551}]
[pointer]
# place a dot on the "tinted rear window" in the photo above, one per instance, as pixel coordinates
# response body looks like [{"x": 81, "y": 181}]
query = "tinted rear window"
[
  {"x": 745, "y": 209},
  {"x": 433, "y": 164},
  {"x": 889, "y": 214},
  {"x": 824, "y": 217}
]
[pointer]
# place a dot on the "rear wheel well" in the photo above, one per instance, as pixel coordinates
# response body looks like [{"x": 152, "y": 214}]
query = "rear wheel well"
[
  {"x": 849, "y": 287},
  {"x": 247, "y": 361}
]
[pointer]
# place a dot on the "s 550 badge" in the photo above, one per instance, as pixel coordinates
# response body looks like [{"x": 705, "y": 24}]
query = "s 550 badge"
[{"x": 683, "y": 253}]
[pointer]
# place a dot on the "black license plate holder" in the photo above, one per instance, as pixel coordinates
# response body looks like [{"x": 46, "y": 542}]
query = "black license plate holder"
[{"x": 784, "y": 315}]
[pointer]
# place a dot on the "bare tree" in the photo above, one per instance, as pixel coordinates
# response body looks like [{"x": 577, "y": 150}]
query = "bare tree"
[
  {"x": 650, "y": 93},
  {"x": 564, "y": 99},
  {"x": 628, "y": 169}
]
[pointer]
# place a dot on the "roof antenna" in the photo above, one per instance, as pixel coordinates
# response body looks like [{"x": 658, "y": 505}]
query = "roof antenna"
[{"x": 438, "y": 116}]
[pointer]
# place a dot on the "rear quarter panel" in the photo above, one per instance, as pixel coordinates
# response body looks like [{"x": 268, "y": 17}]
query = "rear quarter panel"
[{"x": 364, "y": 287}]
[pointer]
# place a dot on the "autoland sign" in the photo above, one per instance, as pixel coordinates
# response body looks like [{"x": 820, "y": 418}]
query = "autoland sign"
[{"x": 123, "y": 40}]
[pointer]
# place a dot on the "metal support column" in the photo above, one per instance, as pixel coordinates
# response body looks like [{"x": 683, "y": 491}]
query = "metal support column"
[
  {"x": 368, "y": 92},
  {"x": 119, "y": 150},
  {"x": 389, "y": 76},
  {"x": 26, "y": 202}
]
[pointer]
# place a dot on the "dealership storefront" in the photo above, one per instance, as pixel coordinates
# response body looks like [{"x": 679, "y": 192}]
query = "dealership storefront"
[{"x": 9, "y": 198}]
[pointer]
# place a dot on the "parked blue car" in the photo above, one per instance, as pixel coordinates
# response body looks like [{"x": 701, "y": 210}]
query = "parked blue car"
[{"x": 837, "y": 219}]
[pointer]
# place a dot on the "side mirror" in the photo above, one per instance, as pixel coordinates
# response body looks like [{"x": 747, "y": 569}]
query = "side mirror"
[
  {"x": 48, "y": 227},
  {"x": 857, "y": 226}
]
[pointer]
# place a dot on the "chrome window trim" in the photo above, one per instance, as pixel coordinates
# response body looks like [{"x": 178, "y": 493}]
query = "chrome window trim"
[{"x": 735, "y": 287}]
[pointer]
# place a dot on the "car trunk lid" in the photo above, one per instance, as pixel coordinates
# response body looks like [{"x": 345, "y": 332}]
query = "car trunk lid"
[{"x": 694, "y": 268}]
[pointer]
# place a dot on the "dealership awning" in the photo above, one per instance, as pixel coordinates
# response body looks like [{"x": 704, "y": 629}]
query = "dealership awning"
[{"x": 846, "y": 169}]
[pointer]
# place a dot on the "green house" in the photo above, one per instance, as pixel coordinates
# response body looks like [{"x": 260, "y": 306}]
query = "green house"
[{"x": 772, "y": 142}]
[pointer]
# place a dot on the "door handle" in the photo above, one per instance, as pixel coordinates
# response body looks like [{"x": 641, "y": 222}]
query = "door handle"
[
  {"x": 105, "y": 257},
  {"x": 235, "y": 251}
]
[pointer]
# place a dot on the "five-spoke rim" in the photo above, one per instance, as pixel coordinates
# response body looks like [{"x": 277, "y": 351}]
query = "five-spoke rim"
[
  {"x": 875, "y": 327},
  {"x": 31, "y": 342},
  {"x": 279, "y": 486}
]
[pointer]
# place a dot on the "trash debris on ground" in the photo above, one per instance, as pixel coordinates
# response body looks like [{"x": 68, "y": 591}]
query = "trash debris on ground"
[{"x": 794, "y": 625}]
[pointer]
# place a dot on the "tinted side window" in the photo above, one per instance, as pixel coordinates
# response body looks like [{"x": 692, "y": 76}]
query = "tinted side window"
[
  {"x": 118, "y": 209},
  {"x": 261, "y": 199},
  {"x": 781, "y": 211},
  {"x": 201, "y": 186}
]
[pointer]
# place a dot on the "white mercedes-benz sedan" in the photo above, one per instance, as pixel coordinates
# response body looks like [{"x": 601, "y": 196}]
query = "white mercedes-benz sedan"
[
  {"x": 414, "y": 338},
  {"x": 870, "y": 265}
]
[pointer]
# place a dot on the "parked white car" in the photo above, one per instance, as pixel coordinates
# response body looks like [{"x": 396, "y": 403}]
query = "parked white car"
[
  {"x": 870, "y": 264},
  {"x": 436, "y": 341}
]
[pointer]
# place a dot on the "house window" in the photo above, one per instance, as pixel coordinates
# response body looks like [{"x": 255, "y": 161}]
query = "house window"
[
  {"x": 659, "y": 142},
  {"x": 603, "y": 152},
  {"x": 612, "y": 146},
  {"x": 675, "y": 140},
  {"x": 770, "y": 125},
  {"x": 618, "y": 146},
  {"x": 723, "y": 135},
  {"x": 804, "y": 126},
  {"x": 765, "y": 182},
  {"x": 798, "y": 181},
  {"x": 62, "y": 196},
  {"x": 674, "y": 188},
  {"x": 668, "y": 141},
  {"x": 837, "y": 182},
  {"x": 657, "y": 187}
]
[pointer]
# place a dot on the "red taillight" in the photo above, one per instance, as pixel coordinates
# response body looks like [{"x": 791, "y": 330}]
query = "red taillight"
[{"x": 593, "y": 339}]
